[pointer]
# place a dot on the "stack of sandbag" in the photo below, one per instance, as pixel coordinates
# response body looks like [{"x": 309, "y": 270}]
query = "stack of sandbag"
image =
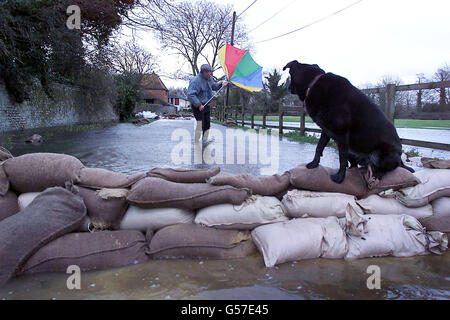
[
  {"x": 254, "y": 212},
  {"x": 191, "y": 241},
  {"x": 352, "y": 237},
  {"x": 52, "y": 214},
  {"x": 390, "y": 235},
  {"x": 434, "y": 189}
]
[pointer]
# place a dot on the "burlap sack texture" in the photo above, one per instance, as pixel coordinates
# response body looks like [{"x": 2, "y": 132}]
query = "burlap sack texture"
[
  {"x": 4, "y": 181},
  {"x": 105, "y": 207},
  {"x": 183, "y": 176},
  {"x": 435, "y": 163},
  {"x": 265, "y": 186},
  {"x": 90, "y": 251},
  {"x": 192, "y": 241},
  {"x": 100, "y": 178},
  {"x": 358, "y": 182},
  {"x": 52, "y": 214},
  {"x": 8, "y": 205},
  {"x": 440, "y": 220},
  {"x": 36, "y": 172},
  {"x": 160, "y": 193},
  {"x": 434, "y": 184}
]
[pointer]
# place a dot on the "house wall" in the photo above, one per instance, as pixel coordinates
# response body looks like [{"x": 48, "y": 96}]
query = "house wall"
[
  {"x": 68, "y": 107},
  {"x": 160, "y": 94}
]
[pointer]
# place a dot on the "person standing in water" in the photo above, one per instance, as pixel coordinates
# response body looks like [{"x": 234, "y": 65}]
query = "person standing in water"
[{"x": 200, "y": 90}]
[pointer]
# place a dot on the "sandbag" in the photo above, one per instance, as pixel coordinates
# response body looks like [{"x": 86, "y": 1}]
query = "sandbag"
[
  {"x": 265, "y": 186},
  {"x": 5, "y": 154},
  {"x": 51, "y": 215},
  {"x": 36, "y": 172},
  {"x": 95, "y": 178},
  {"x": 193, "y": 241},
  {"x": 435, "y": 183},
  {"x": 375, "y": 204},
  {"x": 182, "y": 175},
  {"x": 394, "y": 235},
  {"x": 8, "y": 205},
  {"x": 318, "y": 179},
  {"x": 105, "y": 207},
  {"x": 25, "y": 199},
  {"x": 435, "y": 163},
  {"x": 397, "y": 179},
  {"x": 300, "y": 204},
  {"x": 300, "y": 239},
  {"x": 4, "y": 181},
  {"x": 154, "y": 219},
  {"x": 90, "y": 251},
  {"x": 160, "y": 193},
  {"x": 440, "y": 220},
  {"x": 255, "y": 211}
]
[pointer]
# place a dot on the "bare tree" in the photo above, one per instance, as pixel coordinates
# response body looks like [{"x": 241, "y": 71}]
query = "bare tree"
[
  {"x": 193, "y": 30},
  {"x": 442, "y": 74},
  {"x": 129, "y": 57}
]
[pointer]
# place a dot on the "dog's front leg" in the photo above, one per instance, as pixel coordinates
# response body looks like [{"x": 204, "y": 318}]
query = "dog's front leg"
[
  {"x": 324, "y": 139},
  {"x": 343, "y": 160}
]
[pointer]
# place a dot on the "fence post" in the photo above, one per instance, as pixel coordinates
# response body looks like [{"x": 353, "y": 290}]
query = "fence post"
[
  {"x": 390, "y": 101},
  {"x": 236, "y": 114},
  {"x": 281, "y": 114},
  {"x": 302, "y": 120},
  {"x": 252, "y": 120},
  {"x": 264, "y": 118},
  {"x": 243, "y": 115}
]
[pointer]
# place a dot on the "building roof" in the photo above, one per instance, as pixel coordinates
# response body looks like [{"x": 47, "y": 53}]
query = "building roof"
[{"x": 151, "y": 81}]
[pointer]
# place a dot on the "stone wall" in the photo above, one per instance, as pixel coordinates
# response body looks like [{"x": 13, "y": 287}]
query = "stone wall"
[{"x": 69, "y": 106}]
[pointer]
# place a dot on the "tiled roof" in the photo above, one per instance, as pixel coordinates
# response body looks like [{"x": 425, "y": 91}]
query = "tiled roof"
[{"x": 152, "y": 81}]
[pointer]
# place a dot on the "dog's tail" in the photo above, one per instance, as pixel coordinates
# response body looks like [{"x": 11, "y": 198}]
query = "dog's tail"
[{"x": 408, "y": 168}]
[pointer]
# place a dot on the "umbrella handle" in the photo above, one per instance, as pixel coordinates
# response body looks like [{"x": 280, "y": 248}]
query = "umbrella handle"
[{"x": 215, "y": 95}]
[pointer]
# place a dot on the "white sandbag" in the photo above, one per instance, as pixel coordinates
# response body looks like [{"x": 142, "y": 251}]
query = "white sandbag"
[
  {"x": 154, "y": 219},
  {"x": 435, "y": 183},
  {"x": 300, "y": 204},
  {"x": 300, "y": 239},
  {"x": 440, "y": 220},
  {"x": 254, "y": 212},
  {"x": 375, "y": 204},
  {"x": 394, "y": 235},
  {"x": 25, "y": 199}
]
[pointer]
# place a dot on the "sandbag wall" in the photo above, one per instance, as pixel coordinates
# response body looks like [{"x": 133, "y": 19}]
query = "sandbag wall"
[{"x": 207, "y": 214}]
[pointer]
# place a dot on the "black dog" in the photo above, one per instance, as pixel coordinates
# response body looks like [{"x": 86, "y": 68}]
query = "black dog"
[{"x": 362, "y": 132}]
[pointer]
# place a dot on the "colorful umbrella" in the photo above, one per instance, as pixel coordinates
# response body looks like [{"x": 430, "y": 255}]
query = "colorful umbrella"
[{"x": 240, "y": 68}]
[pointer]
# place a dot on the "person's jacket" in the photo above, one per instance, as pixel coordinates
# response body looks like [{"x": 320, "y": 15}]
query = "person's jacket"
[{"x": 201, "y": 90}]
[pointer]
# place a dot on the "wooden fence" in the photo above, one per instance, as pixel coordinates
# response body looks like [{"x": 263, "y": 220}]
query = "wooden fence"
[{"x": 241, "y": 114}]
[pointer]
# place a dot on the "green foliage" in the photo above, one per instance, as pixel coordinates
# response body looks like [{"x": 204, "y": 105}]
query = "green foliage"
[
  {"x": 276, "y": 90},
  {"x": 35, "y": 43},
  {"x": 128, "y": 94}
]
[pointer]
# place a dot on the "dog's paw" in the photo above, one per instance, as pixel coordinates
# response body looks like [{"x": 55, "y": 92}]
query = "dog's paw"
[
  {"x": 338, "y": 177},
  {"x": 312, "y": 165}
]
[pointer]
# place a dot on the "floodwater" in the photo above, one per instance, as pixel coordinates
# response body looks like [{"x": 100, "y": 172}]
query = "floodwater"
[{"x": 129, "y": 149}]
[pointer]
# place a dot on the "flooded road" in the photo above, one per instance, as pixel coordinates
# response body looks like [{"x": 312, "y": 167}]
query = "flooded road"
[{"x": 130, "y": 149}]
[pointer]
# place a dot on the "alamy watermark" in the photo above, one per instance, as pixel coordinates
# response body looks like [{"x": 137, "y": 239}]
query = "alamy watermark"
[
  {"x": 74, "y": 19},
  {"x": 374, "y": 280},
  {"x": 234, "y": 146},
  {"x": 74, "y": 280}
]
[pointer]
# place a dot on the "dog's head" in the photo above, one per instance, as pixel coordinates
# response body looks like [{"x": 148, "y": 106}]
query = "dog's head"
[{"x": 301, "y": 76}]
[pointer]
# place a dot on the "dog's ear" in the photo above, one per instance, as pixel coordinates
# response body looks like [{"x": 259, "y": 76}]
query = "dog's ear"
[{"x": 290, "y": 65}]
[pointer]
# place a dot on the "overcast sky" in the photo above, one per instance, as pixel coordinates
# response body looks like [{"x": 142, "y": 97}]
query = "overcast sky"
[{"x": 372, "y": 39}]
